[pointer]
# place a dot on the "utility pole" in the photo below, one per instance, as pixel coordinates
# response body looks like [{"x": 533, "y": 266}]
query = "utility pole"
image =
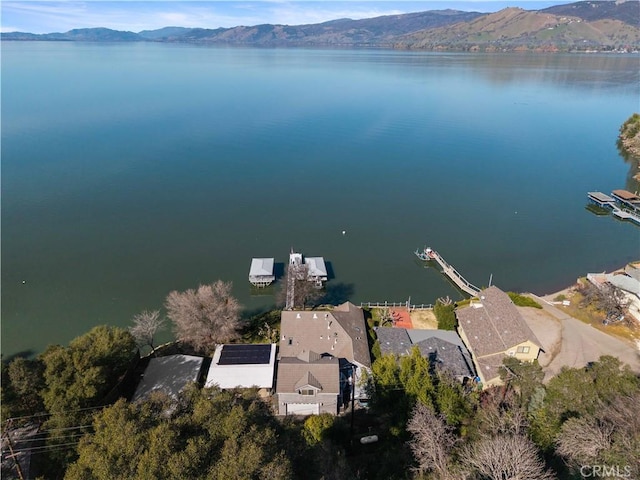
[{"x": 13, "y": 454}]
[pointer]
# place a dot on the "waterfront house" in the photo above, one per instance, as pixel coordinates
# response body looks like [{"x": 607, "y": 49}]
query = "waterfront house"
[
  {"x": 243, "y": 366},
  {"x": 327, "y": 346},
  {"x": 493, "y": 328},
  {"x": 308, "y": 384},
  {"x": 443, "y": 348}
]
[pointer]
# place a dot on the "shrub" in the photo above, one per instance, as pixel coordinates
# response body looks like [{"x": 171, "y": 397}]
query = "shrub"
[{"x": 523, "y": 301}]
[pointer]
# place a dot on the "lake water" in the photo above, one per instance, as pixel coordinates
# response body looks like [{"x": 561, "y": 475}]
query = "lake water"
[{"x": 130, "y": 170}]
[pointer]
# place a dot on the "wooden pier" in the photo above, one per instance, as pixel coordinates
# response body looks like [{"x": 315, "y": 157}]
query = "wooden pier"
[{"x": 461, "y": 282}]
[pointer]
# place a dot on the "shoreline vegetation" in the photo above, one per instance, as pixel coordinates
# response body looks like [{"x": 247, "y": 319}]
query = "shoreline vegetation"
[{"x": 629, "y": 143}]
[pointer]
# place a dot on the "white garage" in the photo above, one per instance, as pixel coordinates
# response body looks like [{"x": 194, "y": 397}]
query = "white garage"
[{"x": 303, "y": 408}]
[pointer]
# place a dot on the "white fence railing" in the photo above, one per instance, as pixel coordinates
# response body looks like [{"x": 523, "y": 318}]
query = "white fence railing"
[{"x": 407, "y": 305}]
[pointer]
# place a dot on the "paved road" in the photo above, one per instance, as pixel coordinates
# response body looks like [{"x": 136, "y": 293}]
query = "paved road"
[{"x": 572, "y": 343}]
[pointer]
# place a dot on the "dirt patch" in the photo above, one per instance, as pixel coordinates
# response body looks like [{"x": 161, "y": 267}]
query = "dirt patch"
[
  {"x": 579, "y": 344},
  {"x": 424, "y": 319},
  {"x": 547, "y": 330}
]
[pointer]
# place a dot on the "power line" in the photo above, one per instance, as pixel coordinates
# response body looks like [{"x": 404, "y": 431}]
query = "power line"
[
  {"x": 45, "y": 414},
  {"x": 39, "y": 438}
]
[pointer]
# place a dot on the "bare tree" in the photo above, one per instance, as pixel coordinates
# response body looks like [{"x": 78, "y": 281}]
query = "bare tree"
[
  {"x": 500, "y": 414},
  {"x": 606, "y": 298},
  {"x": 206, "y": 316},
  {"x": 505, "y": 457},
  {"x": 583, "y": 438},
  {"x": 613, "y": 431},
  {"x": 145, "y": 326},
  {"x": 304, "y": 290},
  {"x": 432, "y": 441}
]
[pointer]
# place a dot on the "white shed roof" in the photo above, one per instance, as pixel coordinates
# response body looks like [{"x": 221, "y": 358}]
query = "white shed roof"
[
  {"x": 317, "y": 268},
  {"x": 261, "y": 266},
  {"x": 168, "y": 374},
  {"x": 239, "y": 373}
]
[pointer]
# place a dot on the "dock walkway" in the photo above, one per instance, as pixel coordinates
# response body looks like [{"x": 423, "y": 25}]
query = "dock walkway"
[
  {"x": 461, "y": 282},
  {"x": 626, "y": 215}
]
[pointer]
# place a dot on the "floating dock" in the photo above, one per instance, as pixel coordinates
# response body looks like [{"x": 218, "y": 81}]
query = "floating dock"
[
  {"x": 601, "y": 199},
  {"x": 623, "y": 204},
  {"x": 625, "y": 215},
  {"x": 462, "y": 283}
]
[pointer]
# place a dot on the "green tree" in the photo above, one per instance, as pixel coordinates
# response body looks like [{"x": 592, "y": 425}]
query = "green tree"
[
  {"x": 78, "y": 378},
  {"x": 524, "y": 377},
  {"x": 451, "y": 401},
  {"x": 317, "y": 428},
  {"x": 21, "y": 387},
  {"x": 579, "y": 393},
  {"x": 415, "y": 377},
  {"x": 445, "y": 314},
  {"x": 82, "y": 374},
  {"x": 211, "y": 434}
]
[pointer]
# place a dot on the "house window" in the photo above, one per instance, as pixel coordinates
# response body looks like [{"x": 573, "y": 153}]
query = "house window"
[
  {"x": 307, "y": 391},
  {"x": 523, "y": 349},
  {"x": 290, "y": 341}
]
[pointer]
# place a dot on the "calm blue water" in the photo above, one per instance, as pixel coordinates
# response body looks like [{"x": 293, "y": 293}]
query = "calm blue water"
[{"x": 130, "y": 170}]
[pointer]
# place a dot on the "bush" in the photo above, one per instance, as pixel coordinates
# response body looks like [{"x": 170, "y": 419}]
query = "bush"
[
  {"x": 317, "y": 428},
  {"x": 445, "y": 315},
  {"x": 522, "y": 301}
]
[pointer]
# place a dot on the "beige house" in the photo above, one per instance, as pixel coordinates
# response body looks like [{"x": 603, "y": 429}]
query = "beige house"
[
  {"x": 308, "y": 384},
  {"x": 321, "y": 354},
  {"x": 493, "y": 328}
]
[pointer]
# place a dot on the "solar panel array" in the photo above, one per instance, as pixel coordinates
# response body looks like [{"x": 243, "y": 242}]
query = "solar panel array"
[{"x": 245, "y": 355}]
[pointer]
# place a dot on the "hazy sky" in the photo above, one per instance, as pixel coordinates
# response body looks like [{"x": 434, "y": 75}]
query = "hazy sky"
[{"x": 61, "y": 16}]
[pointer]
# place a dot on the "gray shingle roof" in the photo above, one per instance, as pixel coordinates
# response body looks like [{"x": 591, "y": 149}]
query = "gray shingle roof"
[
  {"x": 393, "y": 340},
  {"x": 453, "y": 358},
  {"x": 443, "y": 348},
  {"x": 495, "y": 324},
  {"x": 490, "y": 366},
  {"x": 323, "y": 372},
  {"x": 340, "y": 332}
]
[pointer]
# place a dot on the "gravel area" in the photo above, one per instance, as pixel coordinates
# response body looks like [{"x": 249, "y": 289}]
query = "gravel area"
[{"x": 569, "y": 342}]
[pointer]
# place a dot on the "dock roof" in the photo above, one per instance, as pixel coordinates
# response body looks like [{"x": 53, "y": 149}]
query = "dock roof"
[
  {"x": 601, "y": 197},
  {"x": 261, "y": 267},
  {"x": 626, "y": 195},
  {"x": 317, "y": 267}
]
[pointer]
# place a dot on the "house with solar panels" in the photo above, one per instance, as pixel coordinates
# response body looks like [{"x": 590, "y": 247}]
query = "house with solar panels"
[
  {"x": 321, "y": 359},
  {"x": 243, "y": 366},
  {"x": 261, "y": 272}
]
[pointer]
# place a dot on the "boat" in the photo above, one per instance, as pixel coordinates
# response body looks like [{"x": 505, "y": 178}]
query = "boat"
[{"x": 426, "y": 254}]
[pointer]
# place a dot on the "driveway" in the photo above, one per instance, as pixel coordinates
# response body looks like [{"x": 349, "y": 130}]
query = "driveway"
[{"x": 568, "y": 342}]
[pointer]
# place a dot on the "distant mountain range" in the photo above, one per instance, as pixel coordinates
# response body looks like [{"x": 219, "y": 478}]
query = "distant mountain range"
[{"x": 587, "y": 25}]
